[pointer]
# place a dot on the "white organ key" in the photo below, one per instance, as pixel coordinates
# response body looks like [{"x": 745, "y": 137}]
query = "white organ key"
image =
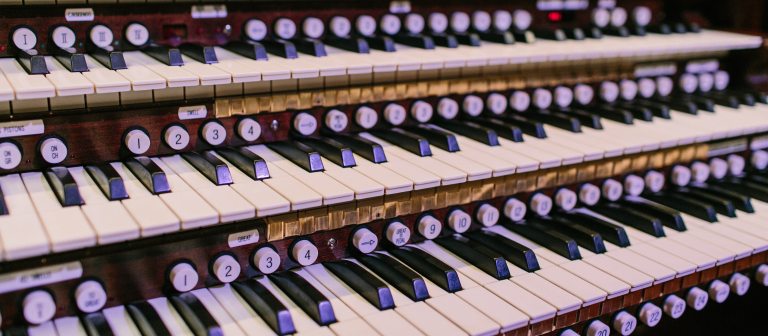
[
  {"x": 120, "y": 321},
  {"x": 243, "y": 70},
  {"x": 67, "y": 83},
  {"x": 208, "y": 74},
  {"x": 363, "y": 186},
  {"x": 26, "y": 86},
  {"x": 174, "y": 76},
  {"x": 302, "y": 322},
  {"x": 388, "y": 176},
  {"x": 149, "y": 211},
  {"x": 21, "y": 231},
  {"x": 69, "y": 326},
  {"x": 109, "y": 219},
  {"x": 105, "y": 80},
  {"x": 189, "y": 207},
  {"x": 67, "y": 227},
  {"x": 171, "y": 318},
  {"x": 448, "y": 174},
  {"x": 266, "y": 200},
  {"x": 332, "y": 191},
  {"x": 227, "y": 202},
  {"x": 238, "y": 309},
  {"x": 228, "y": 326},
  {"x": 6, "y": 90}
]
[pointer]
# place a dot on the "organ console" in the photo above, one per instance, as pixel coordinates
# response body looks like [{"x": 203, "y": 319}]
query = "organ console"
[{"x": 542, "y": 167}]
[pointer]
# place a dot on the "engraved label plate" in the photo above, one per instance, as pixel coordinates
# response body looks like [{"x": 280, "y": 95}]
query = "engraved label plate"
[
  {"x": 41, "y": 276},
  {"x": 243, "y": 238},
  {"x": 21, "y": 128}
]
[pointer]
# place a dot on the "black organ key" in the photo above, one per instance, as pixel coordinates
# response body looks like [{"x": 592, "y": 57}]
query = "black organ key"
[
  {"x": 471, "y": 130},
  {"x": 210, "y": 166},
  {"x": 61, "y": 44},
  {"x": 556, "y": 119},
  {"x": 519, "y": 255},
  {"x": 16, "y": 331},
  {"x": 311, "y": 301},
  {"x": 685, "y": 106},
  {"x": 694, "y": 208},
  {"x": 361, "y": 146},
  {"x": 636, "y": 219},
  {"x": 63, "y": 186},
  {"x": 721, "y": 205},
  {"x": 149, "y": 173},
  {"x": 396, "y": 274},
  {"x": 202, "y": 54},
  {"x": 669, "y": 217},
  {"x": 3, "y": 205},
  {"x": 741, "y": 202},
  {"x": 585, "y": 119},
  {"x": 445, "y": 40},
  {"x": 166, "y": 55},
  {"x": 349, "y": 43},
  {"x": 530, "y": 127},
  {"x": 575, "y": 33},
  {"x": 502, "y": 129},
  {"x": 661, "y": 28},
  {"x": 332, "y": 150},
  {"x": 554, "y": 241},
  {"x": 248, "y": 162},
  {"x": 701, "y": 103},
  {"x": 198, "y": 319},
  {"x": 585, "y": 237},
  {"x": 723, "y": 99},
  {"x": 108, "y": 180},
  {"x": 406, "y": 140},
  {"x": 436, "y": 137},
  {"x": 487, "y": 260},
  {"x": 638, "y": 112},
  {"x": 147, "y": 319},
  {"x": 616, "y": 31},
  {"x": 264, "y": 303},
  {"x": 300, "y": 154},
  {"x": 612, "y": 113},
  {"x": 658, "y": 109},
  {"x": 383, "y": 43},
  {"x": 281, "y": 48},
  {"x": 367, "y": 285},
  {"x": 95, "y": 324},
  {"x": 550, "y": 33},
  {"x": 470, "y": 39},
  {"x": 415, "y": 40},
  {"x": 250, "y": 49},
  {"x": 610, "y": 232},
  {"x": 310, "y": 46},
  {"x": 430, "y": 267},
  {"x": 496, "y": 36}
]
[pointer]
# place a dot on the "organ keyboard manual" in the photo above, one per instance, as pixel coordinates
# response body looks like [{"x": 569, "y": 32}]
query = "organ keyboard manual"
[{"x": 350, "y": 167}]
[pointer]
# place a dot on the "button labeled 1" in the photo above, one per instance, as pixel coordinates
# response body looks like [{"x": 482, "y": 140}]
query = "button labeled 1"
[
  {"x": 183, "y": 277},
  {"x": 137, "y": 141}
]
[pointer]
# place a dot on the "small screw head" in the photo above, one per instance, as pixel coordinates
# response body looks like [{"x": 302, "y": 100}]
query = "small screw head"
[
  {"x": 332, "y": 243},
  {"x": 274, "y": 125}
]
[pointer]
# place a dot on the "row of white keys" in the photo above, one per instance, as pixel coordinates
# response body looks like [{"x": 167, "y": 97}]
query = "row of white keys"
[
  {"x": 566, "y": 154},
  {"x": 67, "y": 83},
  {"x": 386, "y": 322},
  {"x": 241, "y": 69},
  {"x": 448, "y": 175},
  {"x": 174, "y": 76},
  {"x": 208, "y": 74},
  {"x": 191, "y": 209},
  {"x": 67, "y": 227},
  {"x": 519, "y": 162},
  {"x": 392, "y": 182},
  {"x": 590, "y": 149},
  {"x": 561, "y": 299},
  {"x": 463, "y": 162},
  {"x": 754, "y": 241},
  {"x": 423, "y": 316},
  {"x": 500, "y": 166},
  {"x": 635, "y": 279},
  {"x": 227, "y": 202},
  {"x": 264, "y": 199},
  {"x": 356, "y": 63},
  {"x": 105, "y": 80},
  {"x": 331, "y": 190},
  {"x": 529, "y": 149},
  {"x": 419, "y": 178},
  {"x": 109, "y": 219},
  {"x": 149, "y": 211},
  {"x": 363, "y": 186},
  {"x": 22, "y": 234},
  {"x": 25, "y": 86},
  {"x": 297, "y": 193}
]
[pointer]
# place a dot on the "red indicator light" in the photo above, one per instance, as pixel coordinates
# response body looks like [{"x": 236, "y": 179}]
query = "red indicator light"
[{"x": 554, "y": 16}]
